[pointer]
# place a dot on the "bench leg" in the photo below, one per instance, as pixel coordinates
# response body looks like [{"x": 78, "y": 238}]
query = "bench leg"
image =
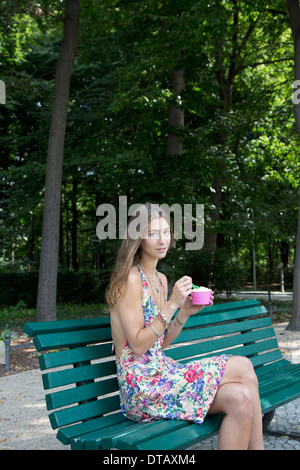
[{"x": 267, "y": 418}]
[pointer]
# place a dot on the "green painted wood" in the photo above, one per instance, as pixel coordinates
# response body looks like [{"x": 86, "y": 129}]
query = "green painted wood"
[
  {"x": 278, "y": 380},
  {"x": 248, "y": 350},
  {"x": 279, "y": 398},
  {"x": 106, "y": 440},
  {"x": 223, "y": 329},
  {"x": 78, "y": 374},
  {"x": 77, "y": 413},
  {"x": 181, "y": 439},
  {"x": 45, "y": 342},
  {"x": 266, "y": 357},
  {"x": 111, "y": 441},
  {"x": 73, "y": 356},
  {"x": 67, "y": 433},
  {"x": 266, "y": 368},
  {"x": 230, "y": 306},
  {"x": 160, "y": 428},
  {"x": 277, "y": 385},
  {"x": 92, "y": 440},
  {"x": 220, "y": 343},
  {"x": 59, "y": 326},
  {"x": 287, "y": 371},
  {"x": 224, "y": 315},
  {"x": 83, "y": 392}
]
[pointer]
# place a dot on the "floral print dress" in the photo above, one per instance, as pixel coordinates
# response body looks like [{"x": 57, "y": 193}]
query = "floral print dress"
[{"x": 154, "y": 386}]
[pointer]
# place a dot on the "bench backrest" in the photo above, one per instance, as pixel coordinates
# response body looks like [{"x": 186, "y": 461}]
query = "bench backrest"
[{"x": 83, "y": 370}]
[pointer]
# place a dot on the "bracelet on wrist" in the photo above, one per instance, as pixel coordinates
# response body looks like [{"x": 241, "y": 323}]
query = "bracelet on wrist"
[
  {"x": 154, "y": 331},
  {"x": 160, "y": 316},
  {"x": 178, "y": 321}
]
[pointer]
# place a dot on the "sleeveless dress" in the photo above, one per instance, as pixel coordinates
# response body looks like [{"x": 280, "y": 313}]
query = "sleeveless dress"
[{"x": 155, "y": 386}]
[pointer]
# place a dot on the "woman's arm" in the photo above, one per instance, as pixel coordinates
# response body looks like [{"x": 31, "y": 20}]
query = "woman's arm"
[
  {"x": 186, "y": 310},
  {"x": 174, "y": 329},
  {"x": 182, "y": 288},
  {"x": 175, "y": 326},
  {"x": 139, "y": 337}
]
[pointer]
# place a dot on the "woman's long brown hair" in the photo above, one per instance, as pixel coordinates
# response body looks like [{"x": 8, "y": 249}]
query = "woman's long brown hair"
[{"x": 129, "y": 252}]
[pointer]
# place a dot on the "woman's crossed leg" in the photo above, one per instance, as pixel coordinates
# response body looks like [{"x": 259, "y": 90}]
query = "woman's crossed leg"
[{"x": 238, "y": 398}]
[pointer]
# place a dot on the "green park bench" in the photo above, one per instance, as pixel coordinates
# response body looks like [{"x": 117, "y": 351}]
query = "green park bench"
[{"x": 85, "y": 401}]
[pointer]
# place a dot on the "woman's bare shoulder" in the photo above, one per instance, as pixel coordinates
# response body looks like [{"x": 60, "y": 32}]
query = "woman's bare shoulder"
[
  {"x": 134, "y": 272},
  {"x": 134, "y": 282}
]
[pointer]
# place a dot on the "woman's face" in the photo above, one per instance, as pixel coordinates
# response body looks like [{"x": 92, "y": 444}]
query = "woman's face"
[{"x": 158, "y": 239}]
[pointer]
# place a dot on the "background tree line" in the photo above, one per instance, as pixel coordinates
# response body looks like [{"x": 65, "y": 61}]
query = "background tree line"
[{"x": 176, "y": 102}]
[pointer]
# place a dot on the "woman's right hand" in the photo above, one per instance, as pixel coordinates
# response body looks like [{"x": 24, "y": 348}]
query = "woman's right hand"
[{"x": 181, "y": 290}]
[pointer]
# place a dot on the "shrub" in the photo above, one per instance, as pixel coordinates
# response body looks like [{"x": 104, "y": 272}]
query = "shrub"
[{"x": 72, "y": 287}]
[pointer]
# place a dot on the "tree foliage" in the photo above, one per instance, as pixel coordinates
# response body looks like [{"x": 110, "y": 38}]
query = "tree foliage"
[{"x": 239, "y": 154}]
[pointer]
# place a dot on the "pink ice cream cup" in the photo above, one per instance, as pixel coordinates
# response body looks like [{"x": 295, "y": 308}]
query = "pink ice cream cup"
[{"x": 201, "y": 296}]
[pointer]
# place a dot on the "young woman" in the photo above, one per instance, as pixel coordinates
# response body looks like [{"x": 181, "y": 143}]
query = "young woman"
[{"x": 153, "y": 386}]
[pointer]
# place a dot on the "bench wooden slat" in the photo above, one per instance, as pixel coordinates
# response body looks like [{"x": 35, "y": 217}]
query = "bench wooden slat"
[
  {"x": 221, "y": 330},
  {"x": 80, "y": 442},
  {"x": 106, "y": 440},
  {"x": 276, "y": 380},
  {"x": 111, "y": 441},
  {"x": 74, "y": 414},
  {"x": 211, "y": 315},
  {"x": 219, "y": 344},
  {"x": 266, "y": 367},
  {"x": 73, "y": 356},
  {"x": 249, "y": 350},
  {"x": 92, "y": 441},
  {"x": 59, "y": 326},
  {"x": 265, "y": 358},
  {"x": 78, "y": 374},
  {"x": 231, "y": 306},
  {"x": 180, "y": 439},
  {"x": 280, "y": 397},
  {"x": 45, "y": 342},
  {"x": 81, "y": 393},
  {"x": 277, "y": 385},
  {"x": 67, "y": 433},
  {"x": 160, "y": 428},
  {"x": 289, "y": 371}
]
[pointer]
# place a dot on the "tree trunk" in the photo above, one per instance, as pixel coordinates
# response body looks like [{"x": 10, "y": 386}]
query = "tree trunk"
[
  {"x": 294, "y": 17},
  {"x": 61, "y": 239},
  {"x": 46, "y": 298},
  {"x": 294, "y": 323}
]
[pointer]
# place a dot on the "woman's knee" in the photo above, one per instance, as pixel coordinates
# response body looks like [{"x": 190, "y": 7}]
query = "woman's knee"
[
  {"x": 234, "y": 399},
  {"x": 241, "y": 403},
  {"x": 243, "y": 369},
  {"x": 249, "y": 372}
]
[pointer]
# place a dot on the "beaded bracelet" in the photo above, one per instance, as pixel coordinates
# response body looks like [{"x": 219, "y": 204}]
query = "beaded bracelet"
[
  {"x": 167, "y": 322},
  {"x": 160, "y": 316}
]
